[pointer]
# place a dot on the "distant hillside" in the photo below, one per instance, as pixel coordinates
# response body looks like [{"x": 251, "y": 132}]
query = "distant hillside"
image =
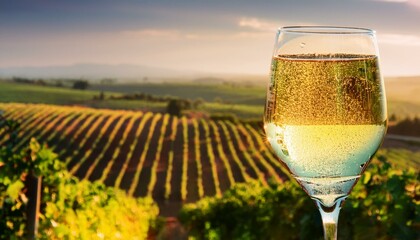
[
  {"x": 405, "y": 89},
  {"x": 210, "y": 80},
  {"x": 90, "y": 71}
]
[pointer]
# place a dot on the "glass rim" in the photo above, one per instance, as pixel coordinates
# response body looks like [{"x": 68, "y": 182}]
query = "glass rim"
[{"x": 332, "y": 30}]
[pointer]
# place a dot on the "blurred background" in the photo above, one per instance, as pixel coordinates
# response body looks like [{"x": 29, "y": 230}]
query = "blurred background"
[{"x": 152, "y": 106}]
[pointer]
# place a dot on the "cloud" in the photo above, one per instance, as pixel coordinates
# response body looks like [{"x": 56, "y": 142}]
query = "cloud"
[
  {"x": 415, "y": 3},
  {"x": 258, "y": 24},
  {"x": 411, "y": 3},
  {"x": 266, "y": 26},
  {"x": 399, "y": 39},
  {"x": 396, "y": 1},
  {"x": 150, "y": 34},
  {"x": 153, "y": 33}
]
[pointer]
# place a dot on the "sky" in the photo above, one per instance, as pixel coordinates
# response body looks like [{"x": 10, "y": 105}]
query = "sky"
[{"x": 193, "y": 35}]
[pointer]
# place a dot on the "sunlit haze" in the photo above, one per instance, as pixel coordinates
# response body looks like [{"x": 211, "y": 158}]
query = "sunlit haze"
[{"x": 202, "y": 36}]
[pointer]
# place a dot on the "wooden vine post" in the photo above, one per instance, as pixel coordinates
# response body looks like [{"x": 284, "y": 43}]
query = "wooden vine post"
[{"x": 33, "y": 186}]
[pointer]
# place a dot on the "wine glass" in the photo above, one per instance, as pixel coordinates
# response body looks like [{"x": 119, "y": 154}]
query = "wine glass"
[{"x": 325, "y": 114}]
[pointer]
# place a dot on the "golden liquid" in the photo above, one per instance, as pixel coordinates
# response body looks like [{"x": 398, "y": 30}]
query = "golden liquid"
[
  {"x": 322, "y": 89},
  {"x": 325, "y": 117}
]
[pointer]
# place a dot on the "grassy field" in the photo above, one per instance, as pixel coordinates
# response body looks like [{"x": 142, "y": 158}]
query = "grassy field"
[
  {"x": 242, "y": 101},
  {"x": 25, "y": 93},
  {"x": 228, "y": 93}
]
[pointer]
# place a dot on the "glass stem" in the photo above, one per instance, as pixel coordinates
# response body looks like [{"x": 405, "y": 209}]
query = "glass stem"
[{"x": 330, "y": 218}]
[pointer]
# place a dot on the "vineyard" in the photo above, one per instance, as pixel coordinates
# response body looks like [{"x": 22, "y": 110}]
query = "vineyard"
[{"x": 173, "y": 160}]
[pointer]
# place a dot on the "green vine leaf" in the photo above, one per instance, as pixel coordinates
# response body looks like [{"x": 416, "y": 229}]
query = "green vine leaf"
[{"x": 14, "y": 189}]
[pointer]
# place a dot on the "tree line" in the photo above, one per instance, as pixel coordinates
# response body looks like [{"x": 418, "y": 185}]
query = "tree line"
[
  {"x": 408, "y": 126},
  {"x": 80, "y": 84}
]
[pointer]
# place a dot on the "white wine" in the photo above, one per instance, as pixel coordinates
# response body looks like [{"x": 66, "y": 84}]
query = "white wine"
[
  {"x": 325, "y": 118},
  {"x": 323, "y": 155}
]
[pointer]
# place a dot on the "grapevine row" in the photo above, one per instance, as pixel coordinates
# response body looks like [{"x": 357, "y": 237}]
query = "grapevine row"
[
  {"x": 143, "y": 156},
  {"x": 116, "y": 152},
  {"x": 156, "y": 160},
  {"x": 177, "y": 159},
  {"x": 170, "y": 159}
]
